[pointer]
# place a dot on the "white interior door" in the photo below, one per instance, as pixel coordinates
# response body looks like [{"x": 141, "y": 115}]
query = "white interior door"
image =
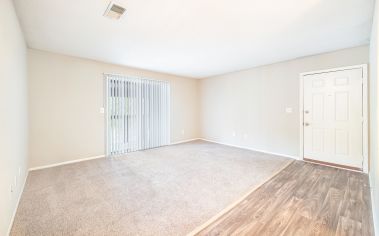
[{"x": 333, "y": 117}]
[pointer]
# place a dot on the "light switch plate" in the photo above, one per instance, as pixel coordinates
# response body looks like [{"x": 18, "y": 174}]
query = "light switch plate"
[
  {"x": 102, "y": 110},
  {"x": 289, "y": 109}
]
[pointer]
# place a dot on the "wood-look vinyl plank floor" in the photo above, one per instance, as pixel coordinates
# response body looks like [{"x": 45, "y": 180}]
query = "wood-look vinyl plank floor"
[{"x": 303, "y": 199}]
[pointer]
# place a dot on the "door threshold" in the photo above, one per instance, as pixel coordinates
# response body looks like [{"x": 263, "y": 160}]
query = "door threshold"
[{"x": 333, "y": 165}]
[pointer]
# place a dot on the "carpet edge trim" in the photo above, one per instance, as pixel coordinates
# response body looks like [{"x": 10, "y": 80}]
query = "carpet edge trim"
[{"x": 234, "y": 204}]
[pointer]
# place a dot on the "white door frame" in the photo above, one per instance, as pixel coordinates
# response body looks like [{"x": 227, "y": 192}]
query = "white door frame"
[{"x": 365, "y": 109}]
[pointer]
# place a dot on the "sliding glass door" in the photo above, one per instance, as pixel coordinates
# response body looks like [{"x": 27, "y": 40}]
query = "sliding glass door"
[{"x": 137, "y": 114}]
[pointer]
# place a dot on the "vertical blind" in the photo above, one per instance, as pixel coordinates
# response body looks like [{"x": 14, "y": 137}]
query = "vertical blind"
[{"x": 138, "y": 114}]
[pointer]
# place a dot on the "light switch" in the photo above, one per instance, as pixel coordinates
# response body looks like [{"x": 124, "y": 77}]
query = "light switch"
[
  {"x": 102, "y": 110},
  {"x": 288, "y": 109}
]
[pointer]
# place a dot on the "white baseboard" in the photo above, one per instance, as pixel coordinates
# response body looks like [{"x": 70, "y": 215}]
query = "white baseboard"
[
  {"x": 184, "y": 141},
  {"x": 66, "y": 162},
  {"x": 94, "y": 157},
  {"x": 172, "y": 143},
  {"x": 18, "y": 202},
  {"x": 251, "y": 149},
  {"x": 375, "y": 214}
]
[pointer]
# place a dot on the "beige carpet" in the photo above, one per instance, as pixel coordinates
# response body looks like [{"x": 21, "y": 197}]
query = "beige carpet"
[{"x": 164, "y": 191}]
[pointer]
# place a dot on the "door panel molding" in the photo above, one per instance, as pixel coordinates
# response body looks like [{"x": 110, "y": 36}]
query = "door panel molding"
[{"x": 341, "y": 82}]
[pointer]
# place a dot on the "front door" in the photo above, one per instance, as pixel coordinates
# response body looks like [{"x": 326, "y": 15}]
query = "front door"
[{"x": 333, "y": 117}]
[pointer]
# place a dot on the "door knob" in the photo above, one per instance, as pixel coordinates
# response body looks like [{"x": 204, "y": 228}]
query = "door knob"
[
  {"x": 306, "y": 111},
  {"x": 306, "y": 124}
]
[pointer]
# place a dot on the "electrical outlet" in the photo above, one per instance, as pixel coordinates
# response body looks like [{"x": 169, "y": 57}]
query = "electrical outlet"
[
  {"x": 10, "y": 192},
  {"x": 234, "y": 134},
  {"x": 182, "y": 131}
]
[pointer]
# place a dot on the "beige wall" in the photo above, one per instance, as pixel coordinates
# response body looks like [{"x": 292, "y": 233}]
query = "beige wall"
[
  {"x": 65, "y": 95},
  {"x": 252, "y": 103},
  {"x": 13, "y": 118},
  {"x": 373, "y": 83}
]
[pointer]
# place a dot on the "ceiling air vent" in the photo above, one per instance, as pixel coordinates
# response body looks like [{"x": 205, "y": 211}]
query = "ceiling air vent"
[{"x": 114, "y": 11}]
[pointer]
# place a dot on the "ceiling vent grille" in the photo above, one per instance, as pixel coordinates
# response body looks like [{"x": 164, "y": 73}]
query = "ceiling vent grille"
[{"x": 114, "y": 11}]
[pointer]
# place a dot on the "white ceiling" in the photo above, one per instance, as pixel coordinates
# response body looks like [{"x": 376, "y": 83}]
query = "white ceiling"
[{"x": 196, "y": 38}]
